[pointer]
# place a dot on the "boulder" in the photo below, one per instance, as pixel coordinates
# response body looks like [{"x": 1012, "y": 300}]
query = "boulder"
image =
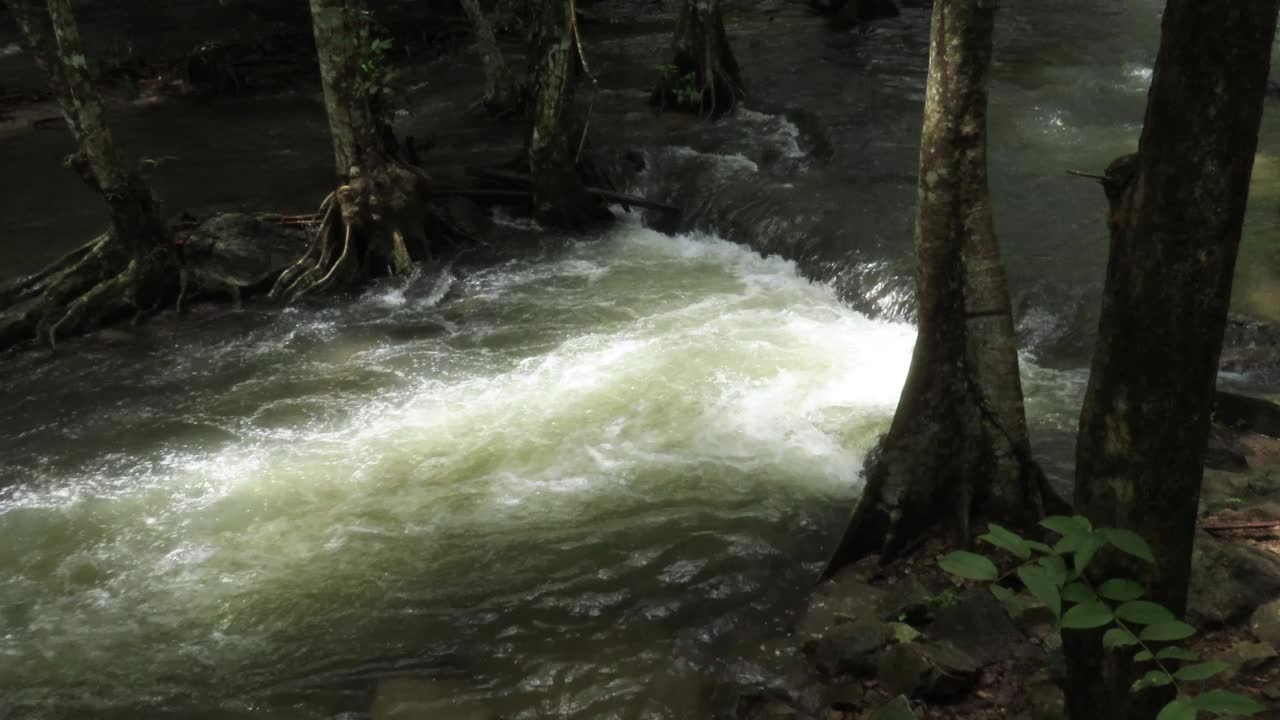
[
  {"x": 1249, "y": 656},
  {"x": 843, "y": 600},
  {"x": 931, "y": 671},
  {"x": 980, "y": 625},
  {"x": 906, "y": 601},
  {"x": 851, "y": 648},
  {"x": 1229, "y": 580},
  {"x": 234, "y": 251},
  {"x": 1265, "y": 623},
  {"x": 1045, "y": 701},
  {"x": 898, "y": 708}
]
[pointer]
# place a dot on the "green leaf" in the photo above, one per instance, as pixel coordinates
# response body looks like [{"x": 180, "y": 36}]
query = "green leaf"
[
  {"x": 1042, "y": 587},
  {"x": 1067, "y": 526},
  {"x": 1086, "y": 551},
  {"x": 1130, "y": 542},
  {"x": 1178, "y": 710},
  {"x": 1121, "y": 590},
  {"x": 1143, "y": 612},
  {"x": 1157, "y": 678},
  {"x": 1222, "y": 702},
  {"x": 1167, "y": 631},
  {"x": 1056, "y": 568},
  {"x": 1087, "y": 615},
  {"x": 1078, "y": 592},
  {"x": 1070, "y": 544},
  {"x": 1177, "y": 653},
  {"x": 1118, "y": 637},
  {"x": 1201, "y": 671},
  {"x": 1039, "y": 546},
  {"x": 1144, "y": 656},
  {"x": 970, "y": 566},
  {"x": 1002, "y": 538}
]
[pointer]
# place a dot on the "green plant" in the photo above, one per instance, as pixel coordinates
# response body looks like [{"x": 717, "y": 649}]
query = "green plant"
[
  {"x": 683, "y": 87},
  {"x": 943, "y": 600},
  {"x": 373, "y": 57},
  {"x": 1055, "y": 576}
]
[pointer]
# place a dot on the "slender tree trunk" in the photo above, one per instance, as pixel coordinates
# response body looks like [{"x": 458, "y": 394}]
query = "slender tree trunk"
[
  {"x": 706, "y": 78},
  {"x": 501, "y": 96},
  {"x": 958, "y": 447},
  {"x": 133, "y": 267},
  {"x": 560, "y": 198},
  {"x": 1177, "y": 209},
  {"x": 374, "y": 223}
]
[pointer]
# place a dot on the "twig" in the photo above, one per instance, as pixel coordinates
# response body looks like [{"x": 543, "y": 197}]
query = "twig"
[
  {"x": 1091, "y": 176},
  {"x": 1248, "y": 525},
  {"x": 595, "y": 84}
]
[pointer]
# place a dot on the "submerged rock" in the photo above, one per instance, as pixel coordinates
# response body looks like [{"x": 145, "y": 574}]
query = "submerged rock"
[
  {"x": 422, "y": 698},
  {"x": 845, "y": 599}
]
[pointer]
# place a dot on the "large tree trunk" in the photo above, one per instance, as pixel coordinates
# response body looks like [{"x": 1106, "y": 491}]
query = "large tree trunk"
[
  {"x": 1177, "y": 208},
  {"x": 374, "y": 223},
  {"x": 501, "y": 96},
  {"x": 957, "y": 449},
  {"x": 560, "y": 198},
  {"x": 133, "y": 266},
  {"x": 704, "y": 78}
]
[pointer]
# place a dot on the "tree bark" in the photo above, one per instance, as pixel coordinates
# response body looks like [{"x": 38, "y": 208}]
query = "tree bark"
[
  {"x": 706, "y": 79},
  {"x": 501, "y": 97},
  {"x": 957, "y": 449},
  {"x": 1177, "y": 208},
  {"x": 133, "y": 266},
  {"x": 560, "y": 197}
]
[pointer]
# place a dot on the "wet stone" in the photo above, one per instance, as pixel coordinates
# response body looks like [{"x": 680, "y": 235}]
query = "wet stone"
[
  {"x": 932, "y": 671},
  {"x": 850, "y": 648}
]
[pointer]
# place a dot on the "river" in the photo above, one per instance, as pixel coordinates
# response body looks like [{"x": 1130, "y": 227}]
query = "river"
[{"x": 583, "y": 483}]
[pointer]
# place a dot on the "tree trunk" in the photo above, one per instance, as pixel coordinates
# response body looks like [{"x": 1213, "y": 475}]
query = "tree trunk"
[
  {"x": 1177, "y": 209},
  {"x": 133, "y": 266},
  {"x": 501, "y": 96},
  {"x": 374, "y": 223},
  {"x": 957, "y": 448},
  {"x": 704, "y": 78},
  {"x": 560, "y": 198}
]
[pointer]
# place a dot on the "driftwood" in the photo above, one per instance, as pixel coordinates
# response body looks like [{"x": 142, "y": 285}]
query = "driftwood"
[{"x": 521, "y": 179}]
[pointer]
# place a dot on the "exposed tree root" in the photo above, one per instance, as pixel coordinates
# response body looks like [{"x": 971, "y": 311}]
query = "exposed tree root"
[{"x": 374, "y": 225}]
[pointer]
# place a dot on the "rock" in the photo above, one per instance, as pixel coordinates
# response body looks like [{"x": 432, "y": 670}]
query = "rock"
[
  {"x": 850, "y": 648},
  {"x": 1248, "y": 413},
  {"x": 1229, "y": 580},
  {"x": 898, "y": 708},
  {"x": 980, "y": 625},
  {"x": 1045, "y": 701},
  {"x": 903, "y": 632},
  {"x": 932, "y": 671},
  {"x": 845, "y": 599},
  {"x": 1272, "y": 691},
  {"x": 1249, "y": 656},
  {"x": 420, "y": 698},
  {"x": 1265, "y": 623},
  {"x": 237, "y": 250},
  {"x": 906, "y": 601}
]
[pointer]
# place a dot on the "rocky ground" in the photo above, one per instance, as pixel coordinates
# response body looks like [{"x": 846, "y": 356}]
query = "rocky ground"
[{"x": 909, "y": 641}]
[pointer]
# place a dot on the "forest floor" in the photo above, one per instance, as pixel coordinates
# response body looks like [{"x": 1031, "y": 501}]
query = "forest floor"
[{"x": 909, "y": 640}]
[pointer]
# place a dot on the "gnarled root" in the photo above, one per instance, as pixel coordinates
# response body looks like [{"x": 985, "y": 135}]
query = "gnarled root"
[
  {"x": 83, "y": 290},
  {"x": 370, "y": 226}
]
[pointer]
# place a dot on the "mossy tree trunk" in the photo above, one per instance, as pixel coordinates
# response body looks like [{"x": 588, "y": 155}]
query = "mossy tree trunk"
[
  {"x": 1177, "y": 208},
  {"x": 556, "y": 137},
  {"x": 704, "y": 78},
  {"x": 957, "y": 450},
  {"x": 375, "y": 222},
  {"x": 501, "y": 95},
  {"x": 132, "y": 267}
]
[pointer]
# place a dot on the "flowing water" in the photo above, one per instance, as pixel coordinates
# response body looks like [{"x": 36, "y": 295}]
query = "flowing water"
[{"x": 583, "y": 483}]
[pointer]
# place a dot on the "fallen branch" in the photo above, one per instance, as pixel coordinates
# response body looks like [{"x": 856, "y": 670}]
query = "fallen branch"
[
  {"x": 1247, "y": 525},
  {"x": 623, "y": 198},
  {"x": 1091, "y": 176}
]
